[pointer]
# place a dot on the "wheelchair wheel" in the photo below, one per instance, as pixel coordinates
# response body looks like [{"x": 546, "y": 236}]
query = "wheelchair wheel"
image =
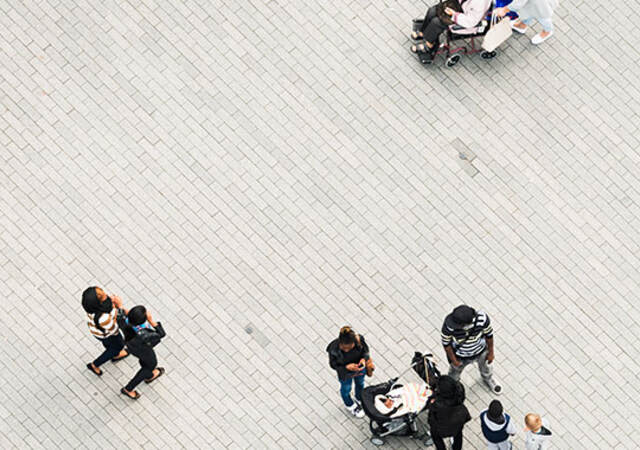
[
  {"x": 453, "y": 60},
  {"x": 488, "y": 55}
]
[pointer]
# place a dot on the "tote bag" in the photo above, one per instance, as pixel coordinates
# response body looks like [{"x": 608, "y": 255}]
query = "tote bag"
[{"x": 499, "y": 32}]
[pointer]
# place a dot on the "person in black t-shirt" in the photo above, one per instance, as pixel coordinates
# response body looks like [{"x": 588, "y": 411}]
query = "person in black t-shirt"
[
  {"x": 142, "y": 334},
  {"x": 349, "y": 357}
]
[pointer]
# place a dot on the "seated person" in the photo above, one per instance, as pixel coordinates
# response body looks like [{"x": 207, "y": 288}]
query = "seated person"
[
  {"x": 472, "y": 13},
  {"x": 402, "y": 400}
]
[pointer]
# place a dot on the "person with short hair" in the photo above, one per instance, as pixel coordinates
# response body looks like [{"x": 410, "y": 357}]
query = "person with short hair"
[
  {"x": 538, "y": 436},
  {"x": 497, "y": 427},
  {"x": 141, "y": 334},
  {"x": 349, "y": 357},
  {"x": 102, "y": 320},
  {"x": 467, "y": 337}
]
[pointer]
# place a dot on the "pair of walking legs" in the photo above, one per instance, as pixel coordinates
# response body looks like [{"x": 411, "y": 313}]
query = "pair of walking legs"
[
  {"x": 148, "y": 372},
  {"x": 113, "y": 350}
]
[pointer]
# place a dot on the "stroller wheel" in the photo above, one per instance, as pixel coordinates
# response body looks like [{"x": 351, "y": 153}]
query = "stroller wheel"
[
  {"x": 488, "y": 55},
  {"x": 377, "y": 441},
  {"x": 453, "y": 60}
]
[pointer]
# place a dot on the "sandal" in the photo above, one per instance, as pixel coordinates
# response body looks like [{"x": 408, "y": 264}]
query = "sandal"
[
  {"x": 136, "y": 394},
  {"x": 118, "y": 358},
  {"x": 417, "y": 35},
  {"x": 160, "y": 373},
  {"x": 96, "y": 371}
]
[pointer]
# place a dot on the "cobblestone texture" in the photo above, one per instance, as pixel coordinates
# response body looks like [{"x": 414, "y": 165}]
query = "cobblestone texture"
[{"x": 289, "y": 166}]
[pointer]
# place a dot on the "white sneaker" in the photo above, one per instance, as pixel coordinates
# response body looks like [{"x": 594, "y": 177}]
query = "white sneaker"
[
  {"x": 495, "y": 387},
  {"x": 537, "y": 39},
  {"x": 356, "y": 410},
  {"x": 519, "y": 30}
]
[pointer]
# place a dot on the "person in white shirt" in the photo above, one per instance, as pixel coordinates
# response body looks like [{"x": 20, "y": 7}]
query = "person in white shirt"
[
  {"x": 538, "y": 435},
  {"x": 528, "y": 10}
]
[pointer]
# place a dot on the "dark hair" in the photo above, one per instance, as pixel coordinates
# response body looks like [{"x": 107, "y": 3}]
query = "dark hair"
[
  {"x": 449, "y": 388},
  {"x": 136, "y": 316},
  {"x": 347, "y": 336},
  {"x": 93, "y": 305},
  {"x": 463, "y": 315}
]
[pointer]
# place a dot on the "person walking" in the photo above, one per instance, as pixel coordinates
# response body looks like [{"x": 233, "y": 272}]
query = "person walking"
[
  {"x": 467, "y": 337},
  {"x": 528, "y": 10},
  {"x": 102, "y": 319},
  {"x": 447, "y": 413},
  {"x": 349, "y": 357},
  {"x": 497, "y": 427},
  {"x": 142, "y": 334},
  {"x": 538, "y": 435}
]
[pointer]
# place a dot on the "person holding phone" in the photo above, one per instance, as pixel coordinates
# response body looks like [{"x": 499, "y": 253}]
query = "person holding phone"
[
  {"x": 141, "y": 335},
  {"x": 349, "y": 357}
]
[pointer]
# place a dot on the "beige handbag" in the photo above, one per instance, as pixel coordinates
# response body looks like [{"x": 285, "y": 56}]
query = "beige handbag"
[{"x": 499, "y": 32}]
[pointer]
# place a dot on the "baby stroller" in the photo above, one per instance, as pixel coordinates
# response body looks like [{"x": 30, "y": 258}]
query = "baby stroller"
[
  {"x": 461, "y": 41},
  {"x": 405, "y": 425}
]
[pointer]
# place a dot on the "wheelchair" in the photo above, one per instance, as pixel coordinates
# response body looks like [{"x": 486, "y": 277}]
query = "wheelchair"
[{"x": 461, "y": 41}]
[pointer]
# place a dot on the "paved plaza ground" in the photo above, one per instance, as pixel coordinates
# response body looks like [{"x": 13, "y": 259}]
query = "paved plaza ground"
[{"x": 261, "y": 172}]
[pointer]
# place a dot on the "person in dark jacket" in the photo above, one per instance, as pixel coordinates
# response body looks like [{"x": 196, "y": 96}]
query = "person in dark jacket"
[
  {"x": 102, "y": 319},
  {"x": 349, "y": 357},
  {"x": 141, "y": 334},
  {"x": 447, "y": 413}
]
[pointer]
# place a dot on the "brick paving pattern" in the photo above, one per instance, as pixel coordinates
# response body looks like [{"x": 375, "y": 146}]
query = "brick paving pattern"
[{"x": 286, "y": 166}]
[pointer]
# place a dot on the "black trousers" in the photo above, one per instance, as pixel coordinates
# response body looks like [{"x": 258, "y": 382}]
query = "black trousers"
[
  {"x": 438, "y": 441},
  {"x": 148, "y": 362},
  {"x": 112, "y": 345},
  {"x": 432, "y": 26}
]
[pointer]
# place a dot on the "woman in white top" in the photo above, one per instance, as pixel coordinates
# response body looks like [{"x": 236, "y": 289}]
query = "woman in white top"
[
  {"x": 102, "y": 315},
  {"x": 540, "y": 10}
]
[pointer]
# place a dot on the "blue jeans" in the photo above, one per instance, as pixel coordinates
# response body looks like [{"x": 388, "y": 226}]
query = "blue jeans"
[
  {"x": 112, "y": 345},
  {"x": 345, "y": 388},
  {"x": 547, "y": 24}
]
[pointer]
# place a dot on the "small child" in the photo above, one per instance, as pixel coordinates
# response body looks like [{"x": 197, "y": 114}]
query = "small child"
[
  {"x": 497, "y": 427},
  {"x": 538, "y": 435}
]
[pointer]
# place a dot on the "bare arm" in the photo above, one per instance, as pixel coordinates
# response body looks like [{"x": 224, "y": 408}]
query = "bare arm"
[
  {"x": 490, "y": 355},
  {"x": 451, "y": 355}
]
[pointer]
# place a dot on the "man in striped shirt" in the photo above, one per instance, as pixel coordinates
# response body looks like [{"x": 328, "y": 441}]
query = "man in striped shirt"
[{"x": 467, "y": 337}]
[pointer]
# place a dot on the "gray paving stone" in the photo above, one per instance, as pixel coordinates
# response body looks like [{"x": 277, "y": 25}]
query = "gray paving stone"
[{"x": 274, "y": 164}]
